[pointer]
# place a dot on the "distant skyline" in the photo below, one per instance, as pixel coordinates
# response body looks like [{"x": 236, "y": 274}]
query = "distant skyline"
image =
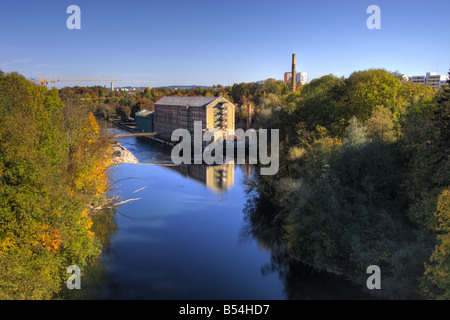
[{"x": 198, "y": 42}]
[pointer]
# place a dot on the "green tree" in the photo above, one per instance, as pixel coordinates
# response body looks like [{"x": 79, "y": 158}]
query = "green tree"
[
  {"x": 266, "y": 118},
  {"x": 436, "y": 282},
  {"x": 271, "y": 86},
  {"x": 364, "y": 90},
  {"x": 380, "y": 125},
  {"x": 427, "y": 143},
  {"x": 317, "y": 106}
]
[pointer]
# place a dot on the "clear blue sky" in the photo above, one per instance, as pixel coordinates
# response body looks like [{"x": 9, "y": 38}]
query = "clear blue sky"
[{"x": 206, "y": 42}]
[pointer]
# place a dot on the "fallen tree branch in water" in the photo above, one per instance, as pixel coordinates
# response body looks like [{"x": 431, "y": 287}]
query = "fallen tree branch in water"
[
  {"x": 125, "y": 201},
  {"x": 110, "y": 203},
  {"x": 139, "y": 189}
]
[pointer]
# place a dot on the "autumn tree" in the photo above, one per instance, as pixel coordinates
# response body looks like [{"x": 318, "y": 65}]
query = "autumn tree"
[{"x": 52, "y": 167}]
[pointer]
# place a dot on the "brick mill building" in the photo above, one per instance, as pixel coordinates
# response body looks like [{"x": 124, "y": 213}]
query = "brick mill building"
[{"x": 172, "y": 113}]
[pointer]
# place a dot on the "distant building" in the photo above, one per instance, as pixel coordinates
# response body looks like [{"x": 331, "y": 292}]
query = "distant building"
[
  {"x": 300, "y": 77},
  {"x": 172, "y": 113},
  {"x": 287, "y": 77},
  {"x": 418, "y": 79},
  {"x": 144, "y": 121},
  {"x": 431, "y": 79}
]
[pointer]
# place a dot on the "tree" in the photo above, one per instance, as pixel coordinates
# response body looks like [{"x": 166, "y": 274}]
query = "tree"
[
  {"x": 364, "y": 90},
  {"x": 317, "y": 106},
  {"x": 271, "y": 86},
  {"x": 427, "y": 143},
  {"x": 380, "y": 125},
  {"x": 147, "y": 93},
  {"x": 436, "y": 282},
  {"x": 363, "y": 162},
  {"x": 266, "y": 117},
  {"x": 44, "y": 196}
]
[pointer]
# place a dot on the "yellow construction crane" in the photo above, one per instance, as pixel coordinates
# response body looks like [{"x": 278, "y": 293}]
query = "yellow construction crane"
[{"x": 44, "y": 81}]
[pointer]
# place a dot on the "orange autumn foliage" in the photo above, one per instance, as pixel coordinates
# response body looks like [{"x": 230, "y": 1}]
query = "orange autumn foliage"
[
  {"x": 91, "y": 131},
  {"x": 87, "y": 221},
  {"x": 49, "y": 238},
  {"x": 89, "y": 163}
]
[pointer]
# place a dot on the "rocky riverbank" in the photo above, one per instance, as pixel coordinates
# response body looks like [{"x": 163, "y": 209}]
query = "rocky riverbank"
[{"x": 122, "y": 155}]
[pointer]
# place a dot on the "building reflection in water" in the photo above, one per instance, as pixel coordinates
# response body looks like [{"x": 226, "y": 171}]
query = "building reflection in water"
[{"x": 217, "y": 178}]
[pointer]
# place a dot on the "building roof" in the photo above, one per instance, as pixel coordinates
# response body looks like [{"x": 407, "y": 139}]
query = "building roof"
[
  {"x": 186, "y": 101},
  {"x": 143, "y": 113}
]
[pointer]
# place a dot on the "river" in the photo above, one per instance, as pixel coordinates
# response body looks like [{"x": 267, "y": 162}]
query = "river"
[{"x": 184, "y": 235}]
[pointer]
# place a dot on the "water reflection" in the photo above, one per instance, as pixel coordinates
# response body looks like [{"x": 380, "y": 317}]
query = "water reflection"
[
  {"x": 180, "y": 242},
  {"x": 216, "y": 178},
  {"x": 190, "y": 249}
]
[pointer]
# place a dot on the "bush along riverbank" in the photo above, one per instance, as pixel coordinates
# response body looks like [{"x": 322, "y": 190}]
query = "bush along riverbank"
[{"x": 54, "y": 163}]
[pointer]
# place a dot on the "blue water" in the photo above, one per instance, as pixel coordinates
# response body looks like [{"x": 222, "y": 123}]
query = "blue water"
[{"x": 181, "y": 238}]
